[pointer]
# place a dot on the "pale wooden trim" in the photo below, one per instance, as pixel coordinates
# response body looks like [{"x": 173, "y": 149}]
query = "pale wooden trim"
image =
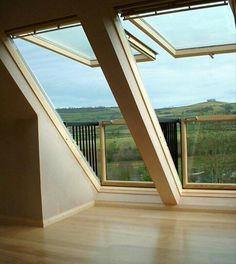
[
  {"x": 128, "y": 190},
  {"x": 104, "y": 180},
  {"x": 156, "y": 126},
  {"x": 160, "y": 207},
  {"x": 217, "y": 186},
  {"x": 147, "y": 54},
  {"x": 136, "y": 184},
  {"x": 141, "y": 47},
  {"x": 153, "y": 34},
  {"x": 186, "y": 183},
  {"x": 211, "y": 118},
  {"x": 210, "y": 50},
  {"x": 131, "y": 205},
  {"x": 62, "y": 51},
  {"x": 117, "y": 122},
  {"x": 208, "y": 193},
  {"x": 142, "y": 58},
  {"x": 49, "y": 109},
  {"x": 67, "y": 213},
  {"x": 20, "y": 221},
  {"x": 123, "y": 183}
]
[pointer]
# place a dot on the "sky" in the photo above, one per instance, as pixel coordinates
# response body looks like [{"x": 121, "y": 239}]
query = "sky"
[{"x": 169, "y": 82}]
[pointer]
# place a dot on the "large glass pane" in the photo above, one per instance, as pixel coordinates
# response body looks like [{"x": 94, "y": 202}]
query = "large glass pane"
[
  {"x": 68, "y": 84},
  {"x": 72, "y": 89},
  {"x": 189, "y": 87},
  {"x": 196, "y": 28},
  {"x": 74, "y": 40},
  {"x": 81, "y": 97},
  {"x": 124, "y": 162},
  {"x": 211, "y": 152}
]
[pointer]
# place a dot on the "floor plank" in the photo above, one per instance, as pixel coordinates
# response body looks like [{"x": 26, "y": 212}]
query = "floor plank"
[{"x": 124, "y": 235}]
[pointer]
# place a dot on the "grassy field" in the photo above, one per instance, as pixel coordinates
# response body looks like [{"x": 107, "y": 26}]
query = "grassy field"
[{"x": 212, "y": 150}]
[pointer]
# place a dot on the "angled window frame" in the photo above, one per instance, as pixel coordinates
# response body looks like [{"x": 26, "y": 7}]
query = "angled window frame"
[
  {"x": 184, "y": 155},
  {"x": 104, "y": 179},
  {"x": 136, "y": 16},
  {"x": 29, "y": 34},
  {"x": 180, "y": 53}
]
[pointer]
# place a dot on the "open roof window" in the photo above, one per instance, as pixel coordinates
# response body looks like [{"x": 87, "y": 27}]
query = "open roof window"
[
  {"x": 71, "y": 41},
  {"x": 208, "y": 27}
]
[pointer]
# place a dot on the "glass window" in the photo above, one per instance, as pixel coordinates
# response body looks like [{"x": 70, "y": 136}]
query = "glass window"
[
  {"x": 73, "y": 43},
  {"x": 82, "y": 98},
  {"x": 73, "y": 39},
  {"x": 196, "y": 28},
  {"x": 211, "y": 152},
  {"x": 124, "y": 162}
]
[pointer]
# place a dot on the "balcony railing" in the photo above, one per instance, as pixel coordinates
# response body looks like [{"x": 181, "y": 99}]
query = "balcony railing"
[
  {"x": 85, "y": 136},
  {"x": 111, "y": 152},
  {"x": 203, "y": 150},
  {"x": 209, "y": 152}
]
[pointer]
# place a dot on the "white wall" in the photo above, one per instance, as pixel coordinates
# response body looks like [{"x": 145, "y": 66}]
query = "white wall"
[{"x": 42, "y": 166}]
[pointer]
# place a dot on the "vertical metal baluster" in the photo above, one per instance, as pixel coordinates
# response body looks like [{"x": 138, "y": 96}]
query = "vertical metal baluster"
[
  {"x": 80, "y": 141},
  {"x": 89, "y": 146},
  {"x": 82, "y": 129},
  {"x": 91, "y": 150},
  {"x": 176, "y": 145},
  {"x": 86, "y": 142},
  {"x": 73, "y": 132},
  {"x": 76, "y": 135},
  {"x": 95, "y": 147}
]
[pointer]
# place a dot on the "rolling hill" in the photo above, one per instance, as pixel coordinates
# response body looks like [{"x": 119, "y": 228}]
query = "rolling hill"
[{"x": 109, "y": 113}]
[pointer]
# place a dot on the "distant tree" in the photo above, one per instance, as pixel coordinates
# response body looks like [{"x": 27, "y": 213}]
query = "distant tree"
[{"x": 228, "y": 108}]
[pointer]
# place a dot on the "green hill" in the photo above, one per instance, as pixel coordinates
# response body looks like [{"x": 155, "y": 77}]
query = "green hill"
[{"x": 109, "y": 113}]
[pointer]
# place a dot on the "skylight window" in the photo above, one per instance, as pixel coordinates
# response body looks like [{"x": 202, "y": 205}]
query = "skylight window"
[
  {"x": 208, "y": 30},
  {"x": 197, "y": 28},
  {"x": 72, "y": 39},
  {"x": 72, "y": 42}
]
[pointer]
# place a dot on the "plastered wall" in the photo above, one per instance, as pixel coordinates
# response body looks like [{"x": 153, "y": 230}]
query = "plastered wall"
[
  {"x": 19, "y": 157},
  {"x": 40, "y": 177}
]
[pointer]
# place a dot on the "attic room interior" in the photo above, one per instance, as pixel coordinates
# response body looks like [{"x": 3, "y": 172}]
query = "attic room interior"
[{"x": 58, "y": 203}]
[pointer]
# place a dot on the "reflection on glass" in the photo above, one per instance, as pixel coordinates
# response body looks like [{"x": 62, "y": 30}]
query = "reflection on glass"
[
  {"x": 196, "y": 28},
  {"x": 73, "y": 39},
  {"x": 212, "y": 152},
  {"x": 124, "y": 162}
]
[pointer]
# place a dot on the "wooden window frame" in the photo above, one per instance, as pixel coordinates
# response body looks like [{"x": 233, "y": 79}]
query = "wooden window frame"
[{"x": 186, "y": 183}]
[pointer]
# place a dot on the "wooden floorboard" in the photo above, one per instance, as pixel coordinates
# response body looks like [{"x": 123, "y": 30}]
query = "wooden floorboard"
[{"x": 124, "y": 235}]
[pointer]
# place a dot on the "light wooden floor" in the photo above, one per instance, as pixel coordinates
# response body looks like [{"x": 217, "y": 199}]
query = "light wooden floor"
[{"x": 122, "y": 235}]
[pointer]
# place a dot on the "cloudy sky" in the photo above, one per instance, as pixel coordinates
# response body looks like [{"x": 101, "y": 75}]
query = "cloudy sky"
[{"x": 169, "y": 82}]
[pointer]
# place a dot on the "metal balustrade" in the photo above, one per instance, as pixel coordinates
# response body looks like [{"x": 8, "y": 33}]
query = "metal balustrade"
[
  {"x": 170, "y": 129},
  {"x": 86, "y": 136},
  {"x": 193, "y": 144}
]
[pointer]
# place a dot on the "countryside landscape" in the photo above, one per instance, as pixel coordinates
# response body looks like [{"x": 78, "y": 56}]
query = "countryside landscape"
[{"x": 211, "y": 145}]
